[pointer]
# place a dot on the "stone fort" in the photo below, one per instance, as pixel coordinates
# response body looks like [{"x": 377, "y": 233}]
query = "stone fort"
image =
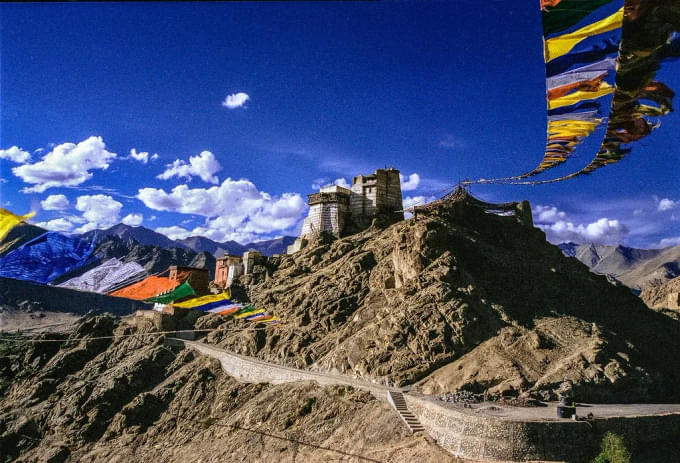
[{"x": 338, "y": 211}]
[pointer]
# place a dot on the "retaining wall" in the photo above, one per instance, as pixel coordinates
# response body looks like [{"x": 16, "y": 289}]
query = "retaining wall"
[
  {"x": 252, "y": 370},
  {"x": 475, "y": 435},
  {"x": 484, "y": 437}
]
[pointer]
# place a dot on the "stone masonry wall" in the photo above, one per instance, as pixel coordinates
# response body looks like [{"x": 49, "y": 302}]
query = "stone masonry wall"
[
  {"x": 254, "y": 371},
  {"x": 469, "y": 435},
  {"x": 379, "y": 192},
  {"x": 325, "y": 217},
  {"x": 483, "y": 437},
  {"x": 393, "y": 198}
]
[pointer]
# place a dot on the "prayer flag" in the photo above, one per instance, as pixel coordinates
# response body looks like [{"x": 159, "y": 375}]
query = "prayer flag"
[
  {"x": 46, "y": 258},
  {"x": 248, "y": 313},
  {"x": 9, "y": 221},
  {"x": 563, "y": 44},
  {"x": 180, "y": 292},
  {"x": 561, "y": 15}
]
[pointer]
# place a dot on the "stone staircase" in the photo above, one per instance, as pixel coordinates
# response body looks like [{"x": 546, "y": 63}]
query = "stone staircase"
[{"x": 396, "y": 399}]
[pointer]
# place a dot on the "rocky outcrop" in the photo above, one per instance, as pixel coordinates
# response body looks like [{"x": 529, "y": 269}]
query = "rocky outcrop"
[
  {"x": 460, "y": 298},
  {"x": 664, "y": 297}
]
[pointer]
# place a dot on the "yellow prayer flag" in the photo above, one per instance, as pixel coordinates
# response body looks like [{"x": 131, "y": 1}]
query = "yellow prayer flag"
[
  {"x": 198, "y": 301},
  {"x": 571, "y": 123},
  {"x": 576, "y": 97},
  {"x": 248, "y": 314},
  {"x": 575, "y": 131},
  {"x": 563, "y": 44},
  {"x": 9, "y": 221}
]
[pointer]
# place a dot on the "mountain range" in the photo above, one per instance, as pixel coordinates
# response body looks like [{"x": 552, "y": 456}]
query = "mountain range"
[
  {"x": 635, "y": 268},
  {"x": 152, "y": 250},
  {"x": 145, "y": 236}
]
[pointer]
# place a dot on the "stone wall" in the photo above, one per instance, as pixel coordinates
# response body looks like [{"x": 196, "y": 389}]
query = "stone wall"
[
  {"x": 251, "y": 259},
  {"x": 393, "y": 203},
  {"x": 378, "y": 193},
  {"x": 252, "y": 370},
  {"x": 235, "y": 270},
  {"x": 484, "y": 437},
  {"x": 221, "y": 272},
  {"x": 471, "y": 435},
  {"x": 325, "y": 217}
]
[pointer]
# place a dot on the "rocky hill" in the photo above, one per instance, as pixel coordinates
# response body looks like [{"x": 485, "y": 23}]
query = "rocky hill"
[
  {"x": 136, "y": 399},
  {"x": 636, "y": 268},
  {"x": 460, "y": 298}
]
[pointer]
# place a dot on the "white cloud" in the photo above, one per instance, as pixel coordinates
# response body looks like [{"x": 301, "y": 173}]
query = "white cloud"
[
  {"x": 134, "y": 220},
  {"x": 55, "y": 203},
  {"x": 174, "y": 232},
  {"x": 411, "y": 201},
  {"x": 67, "y": 164},
  {"x": 15, "y": 154},
  {"x": 236, "y": 209},
  {"x": 60, "y": 225},
  {"x": 342, "y": 182},
  {"x": 547, "y": 214},
  {"x": 411, "y": 183},
  {"x": 668, "y": 242},
  {"x": 319, "y": 182},
  {"x": 235, "y": 100},
  {"x": 100, "y": 211},
  {"x": 204, "y": 166},
  {"x": 666, "y": 204},
  {"x": 142, "y": 156},
  {"x": 452, "y": 142},
  {"x": 602, "y": 231}
]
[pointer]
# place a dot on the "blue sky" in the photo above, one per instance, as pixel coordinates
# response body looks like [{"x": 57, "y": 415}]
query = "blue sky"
[{"x": 445, "y": 90}]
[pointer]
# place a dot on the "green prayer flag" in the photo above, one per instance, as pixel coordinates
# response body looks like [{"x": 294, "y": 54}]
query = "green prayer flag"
[
  {"x": 246, "y": 309},
  {"x": 179, "y": 292},
  {"x": 567, "y": 13}
]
